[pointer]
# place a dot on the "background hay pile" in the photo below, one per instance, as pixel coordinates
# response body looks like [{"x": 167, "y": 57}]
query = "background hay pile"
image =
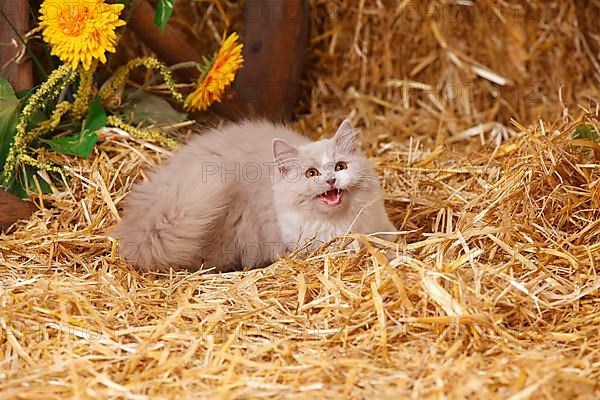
[{"x": 490, "y": 292}]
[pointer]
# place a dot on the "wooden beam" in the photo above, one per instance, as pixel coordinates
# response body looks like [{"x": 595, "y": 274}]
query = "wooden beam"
[
  {"x": 18, "y": 74},
  {"x": 275, "y": 40}
]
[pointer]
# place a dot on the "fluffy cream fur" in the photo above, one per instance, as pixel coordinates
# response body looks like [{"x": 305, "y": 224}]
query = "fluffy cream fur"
[{"x": 239, "y": 196}]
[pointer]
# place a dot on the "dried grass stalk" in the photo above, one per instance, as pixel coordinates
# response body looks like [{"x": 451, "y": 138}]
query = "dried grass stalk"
[{"x": 491, "y": 290}]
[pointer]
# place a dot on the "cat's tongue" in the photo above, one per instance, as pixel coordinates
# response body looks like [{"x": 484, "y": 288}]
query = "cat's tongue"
[{"x": 331, "y": 198}]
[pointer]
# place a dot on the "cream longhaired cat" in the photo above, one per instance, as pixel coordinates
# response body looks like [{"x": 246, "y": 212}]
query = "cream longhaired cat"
[{"x": 238, "y": 196}]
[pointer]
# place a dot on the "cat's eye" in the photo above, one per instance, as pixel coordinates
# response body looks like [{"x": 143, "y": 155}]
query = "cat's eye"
[
  {"x": 341, "y": 166},
  {"x": 311, "y": 173}
]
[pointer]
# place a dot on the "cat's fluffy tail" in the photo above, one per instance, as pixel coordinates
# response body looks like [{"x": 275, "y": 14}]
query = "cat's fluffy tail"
[{"x": 166, "y": 228}]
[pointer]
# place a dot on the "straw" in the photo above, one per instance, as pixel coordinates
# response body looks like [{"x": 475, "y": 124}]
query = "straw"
[{"x": 490, "y": 290}]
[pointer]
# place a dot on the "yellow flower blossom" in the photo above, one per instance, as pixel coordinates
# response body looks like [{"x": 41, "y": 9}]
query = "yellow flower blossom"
[
  {"x": 217, "y": 75},
  {"x": 80, "y": 31}
]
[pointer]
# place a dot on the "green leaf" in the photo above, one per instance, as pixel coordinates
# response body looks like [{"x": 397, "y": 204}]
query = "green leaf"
[
  {"x": 586, "y": 132},
  {"x": 96, "y": 116},
  {"x": 77, "y": 145},
  {"x": 146, "y": 107},
  {"x": 17, "y": 188},
  {"x": 21, "y": 94},
  {"x": 36, "y": 117},
  {"x": 207, "y": 63},
  {"x": 164, "y": 9},
  {"x": 24, "y": 180},
  {"x": 82, "y": 144},
  {"x": 9, "y": 116},
  {"x": 31, "y": 177}
]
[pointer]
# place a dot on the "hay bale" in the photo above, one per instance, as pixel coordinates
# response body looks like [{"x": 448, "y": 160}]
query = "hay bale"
[
  {"x": 416, "y": 68},
  {"x": 490, "y": 292}
]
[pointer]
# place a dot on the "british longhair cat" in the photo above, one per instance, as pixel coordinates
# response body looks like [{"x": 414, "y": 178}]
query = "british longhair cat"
[{"x": 239, "y": 196}]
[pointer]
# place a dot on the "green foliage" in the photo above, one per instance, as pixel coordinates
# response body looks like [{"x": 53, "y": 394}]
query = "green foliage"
[
  {"x": 23, "y": 94},
  {"x": 145, "y": 107},
  {"x": 25, "y": 180},
  {"x": 96, "y": 116},
  {"x": 9, "y": 115},
  {"x": 586, "y": 132},
  {"x": 76, "y": 145},
  {"x": 10, "y": 105},
  {"x": 207, "y": 63},
  {"x": 164, "y": 9},
  {"x": 83, "y": 143}
]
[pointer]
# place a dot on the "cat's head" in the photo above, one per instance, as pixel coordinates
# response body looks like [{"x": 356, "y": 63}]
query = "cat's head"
[{"x": 328, "y": 176}]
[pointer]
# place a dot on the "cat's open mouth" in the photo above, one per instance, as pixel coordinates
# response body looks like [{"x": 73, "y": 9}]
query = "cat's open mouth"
[{"x": 332, "y": 197}]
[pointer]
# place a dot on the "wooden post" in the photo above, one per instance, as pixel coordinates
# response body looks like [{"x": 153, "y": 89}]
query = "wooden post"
[
  {"x": 18, "y": 74},
  {"x": 275, "y": 41},
  {"x": 20, "y": 77}
]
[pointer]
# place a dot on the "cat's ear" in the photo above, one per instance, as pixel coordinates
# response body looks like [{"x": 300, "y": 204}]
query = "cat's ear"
[
  {"x": 345, "y": 137},
  {"x": 285, "y": 155}
]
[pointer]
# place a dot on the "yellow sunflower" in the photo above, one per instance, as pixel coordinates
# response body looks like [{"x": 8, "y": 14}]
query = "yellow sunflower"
[
  {"x": 217, "y": 74},
  {"x": 80, "y": 31}
]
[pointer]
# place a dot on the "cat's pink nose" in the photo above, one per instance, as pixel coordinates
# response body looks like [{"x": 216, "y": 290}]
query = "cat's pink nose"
[{"x": 331, "y": 181}]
